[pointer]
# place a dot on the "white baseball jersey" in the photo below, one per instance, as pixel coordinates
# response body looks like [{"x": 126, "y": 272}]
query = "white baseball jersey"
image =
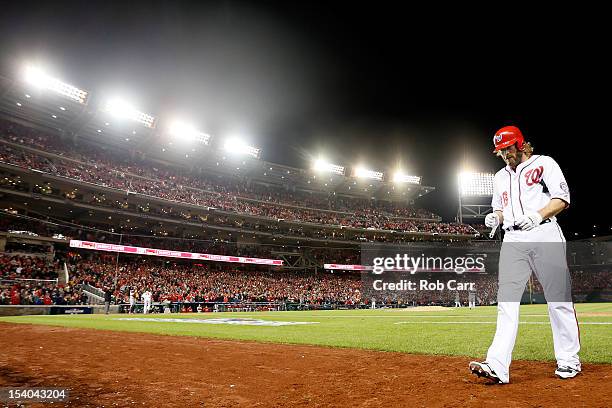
[
  {"x": 146, "y": 296},
  {"x": 529, "y": 188}
]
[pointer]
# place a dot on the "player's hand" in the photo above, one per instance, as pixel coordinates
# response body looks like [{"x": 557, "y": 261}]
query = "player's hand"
[
  {"x": 527, "y": 222},
  {"x": 492, "y": 220}
]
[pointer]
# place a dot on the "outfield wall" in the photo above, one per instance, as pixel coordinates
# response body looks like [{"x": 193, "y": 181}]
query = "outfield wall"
[{"x": 25, "y": 310}]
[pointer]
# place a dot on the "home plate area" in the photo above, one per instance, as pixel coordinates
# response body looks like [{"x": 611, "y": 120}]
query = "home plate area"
[{"x": 232, "y": 321}]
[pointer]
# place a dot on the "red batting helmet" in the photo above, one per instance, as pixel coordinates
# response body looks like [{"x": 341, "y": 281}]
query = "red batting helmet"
[{"x": 507, "y": 136}]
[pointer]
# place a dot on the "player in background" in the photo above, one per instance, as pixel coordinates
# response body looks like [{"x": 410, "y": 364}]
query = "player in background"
[
  {"x": 132, "y": 300},
  {"x": 472, "y": 299},
  {"x": 457, "y": 299},
  {"x": 146, "y": 297},
  {"x": 527, "y": 195},
  {"x": 108, "y": 297}
]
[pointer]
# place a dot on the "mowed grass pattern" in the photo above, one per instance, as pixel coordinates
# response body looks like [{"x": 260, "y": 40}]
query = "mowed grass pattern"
[{"x": 444, "y": 332}]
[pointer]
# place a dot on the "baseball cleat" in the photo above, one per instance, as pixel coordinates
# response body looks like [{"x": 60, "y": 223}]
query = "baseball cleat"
[
  {"x": 483, "y": 370},
  {"x": 566, "y": 372}
]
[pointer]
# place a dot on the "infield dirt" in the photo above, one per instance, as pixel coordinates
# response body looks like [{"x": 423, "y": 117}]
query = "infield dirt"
[{"x": 106, "y": 368}]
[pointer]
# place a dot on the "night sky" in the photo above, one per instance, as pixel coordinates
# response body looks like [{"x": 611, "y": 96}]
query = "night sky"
[{"x": 372, "y": 84}]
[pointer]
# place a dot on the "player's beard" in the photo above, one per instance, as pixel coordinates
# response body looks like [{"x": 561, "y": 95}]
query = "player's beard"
[{"x": 514, "y": 160}]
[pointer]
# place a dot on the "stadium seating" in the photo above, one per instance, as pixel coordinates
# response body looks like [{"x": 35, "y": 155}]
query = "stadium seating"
[
  {"x": 28, "y": 281},
  {"x": 177, "y": 282},
  {"x": 84, "y": 165}
]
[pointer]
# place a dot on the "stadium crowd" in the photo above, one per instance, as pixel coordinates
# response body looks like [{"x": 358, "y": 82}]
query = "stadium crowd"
[
  {"x": 28, "y": 280},
  {"x": 219, "y": 193},
  {"x": 203, "y": 243},
  {"x": 201, "y": 283},
  {"x": 120, "y": 162}
]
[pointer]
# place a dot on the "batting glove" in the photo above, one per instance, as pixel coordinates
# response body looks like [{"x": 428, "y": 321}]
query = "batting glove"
[
  {"x": 492, "y": 220},
  {"x": 528, "y": 222}
]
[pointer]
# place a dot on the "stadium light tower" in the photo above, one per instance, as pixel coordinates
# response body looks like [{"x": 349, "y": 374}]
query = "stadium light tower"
[
  {"x": 37, "y": 78},
  {"x": 122, "y": 109},
  {"x": 473, "y": 186},
  {"x": 362, "y": 172},
  {"x": 187, "y": 132},
  {"x": 399, "y": 177},
  {"x": 322, "y": 166},
  {"x": 238, "y": 146}
]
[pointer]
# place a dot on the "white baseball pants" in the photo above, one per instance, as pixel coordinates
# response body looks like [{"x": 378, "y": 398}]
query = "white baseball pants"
[{"x": 523, "y": 252}]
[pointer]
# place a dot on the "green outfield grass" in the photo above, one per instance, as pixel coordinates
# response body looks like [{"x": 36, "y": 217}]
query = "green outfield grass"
[{"x": 446, "y": 332}]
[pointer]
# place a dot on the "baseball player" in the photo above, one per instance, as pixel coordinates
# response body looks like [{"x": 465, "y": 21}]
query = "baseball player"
[
  {"x": 457, "y": 300},
  {"x": 146, "y": 297},
  {"x": 132, "y": 301},
  {"x": 472, "y": 299},
  {"x": 527, "y": 195}
]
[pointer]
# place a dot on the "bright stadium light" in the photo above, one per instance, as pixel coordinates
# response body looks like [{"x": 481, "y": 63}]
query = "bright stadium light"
[
  {"x": 321, "y": 166},
  {"x": 35, "y": 76},
  {"x": 400, "y": 177},
  {"x": 475, "y": 184},
  {"x": 187, "y": 132},
  {"x": 362, "y": 172},
  {"x": 38, "y": 78},
  {"x": 237, "y": 146},
  {"x": 119, "y": 108}
]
